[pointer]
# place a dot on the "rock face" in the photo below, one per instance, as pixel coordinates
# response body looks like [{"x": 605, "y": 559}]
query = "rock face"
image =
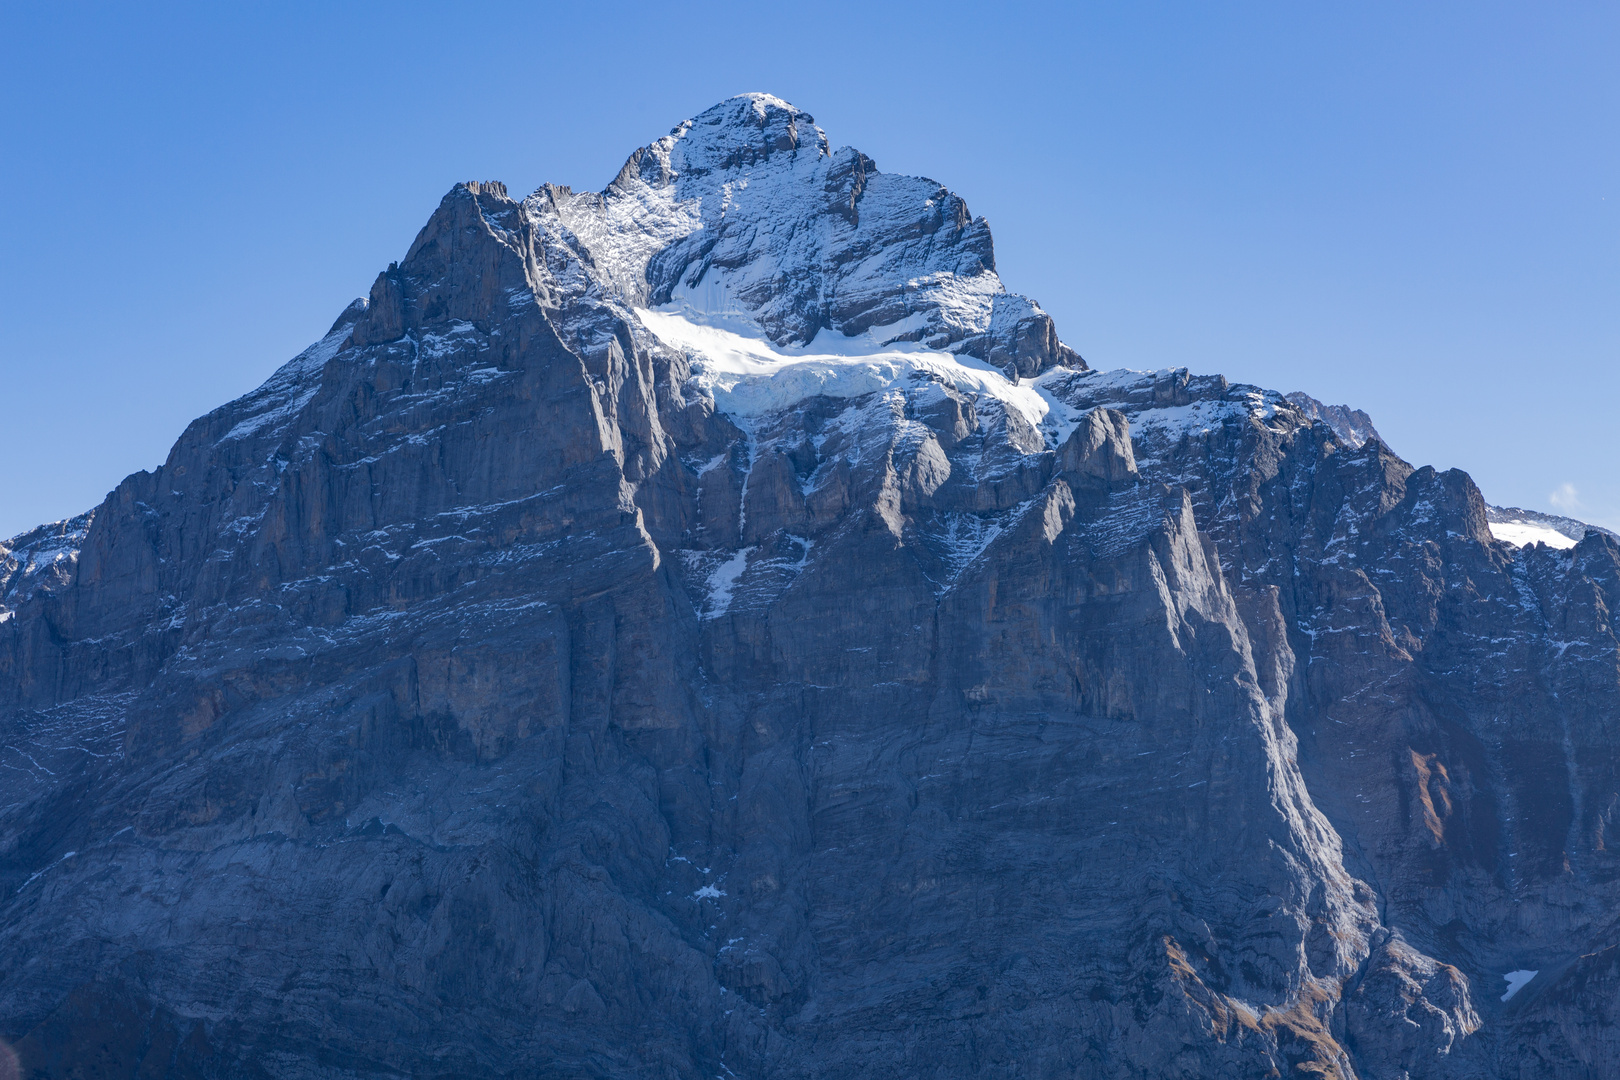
[
  {"x": 1352, "y": 426},
  {"x": 710, "y": 628}
]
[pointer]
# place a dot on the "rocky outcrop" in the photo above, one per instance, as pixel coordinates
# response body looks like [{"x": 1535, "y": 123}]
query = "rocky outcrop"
[
  {"x": 1352, "y": 426},
  {"x": 652, "y": 637}
]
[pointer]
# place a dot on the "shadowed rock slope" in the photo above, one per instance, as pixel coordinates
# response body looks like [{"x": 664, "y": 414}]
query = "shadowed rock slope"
[{"x": 710, "y": 628}]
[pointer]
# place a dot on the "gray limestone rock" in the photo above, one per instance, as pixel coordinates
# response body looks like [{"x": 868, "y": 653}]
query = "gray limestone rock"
[{"x": 710, "y": 628}]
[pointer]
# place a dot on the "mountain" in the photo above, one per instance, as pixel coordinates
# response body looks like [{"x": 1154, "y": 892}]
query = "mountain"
[
  {"x": 1352, "y": 426},
  {"x": 1508, "y": 523},
  {"x": 710, "y": 628}
]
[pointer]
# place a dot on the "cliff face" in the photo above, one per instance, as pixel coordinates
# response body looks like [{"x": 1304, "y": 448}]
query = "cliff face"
[
  {"x": 1352, "y": 426},
  {"x": 710, "y": 628}
]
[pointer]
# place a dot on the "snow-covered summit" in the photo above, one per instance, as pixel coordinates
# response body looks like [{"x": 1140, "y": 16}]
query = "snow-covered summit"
[
  {"x": 739, "y": 132},
  {"x": 744, "y": 210}
]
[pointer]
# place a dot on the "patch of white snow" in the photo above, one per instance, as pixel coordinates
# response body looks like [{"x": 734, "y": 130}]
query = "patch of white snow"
[
  {"x": 1516, "y": 981},
  {"x": 723, "y": 580},
  {"x": 1523, "y": 533},
  {"x": 749, "y": 376}
]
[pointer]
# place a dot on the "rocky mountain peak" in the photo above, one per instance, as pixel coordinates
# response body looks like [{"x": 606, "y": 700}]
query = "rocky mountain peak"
[
  {"x": 744, "y": 212},
  {"x": 708, "y": 627},
  {"x": 1352, "y": 425},
  {"x": 741, "y": 132}
]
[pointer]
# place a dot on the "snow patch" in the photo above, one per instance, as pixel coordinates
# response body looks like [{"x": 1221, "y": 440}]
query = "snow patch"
[
  {"x": 1516, "y": 981},
  {"x": 1524, "y": 533},
  {"x": 723, "y": 580},
  {"x": 750, "y": 376},
  {"x": 708, "y": 892}
]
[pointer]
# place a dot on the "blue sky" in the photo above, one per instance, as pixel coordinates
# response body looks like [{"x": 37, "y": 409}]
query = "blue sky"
[{"x": 1410, "y": 208}]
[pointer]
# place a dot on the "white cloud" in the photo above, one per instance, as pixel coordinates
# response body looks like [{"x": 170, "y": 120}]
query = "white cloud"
[{"x": 1565, "y": 498}]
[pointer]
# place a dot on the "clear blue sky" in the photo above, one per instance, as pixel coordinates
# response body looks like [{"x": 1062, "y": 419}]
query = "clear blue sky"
[{"x": 1410, "y": 208}]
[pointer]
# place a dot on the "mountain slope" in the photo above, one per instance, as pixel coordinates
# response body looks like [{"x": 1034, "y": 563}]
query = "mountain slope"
[
  {"x": 1352, "y": 426},
  {"x": 709, "y": 627}
]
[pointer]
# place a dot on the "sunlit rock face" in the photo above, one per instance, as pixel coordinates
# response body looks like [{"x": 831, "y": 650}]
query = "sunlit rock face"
[{"x": 710, "y": 628}]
